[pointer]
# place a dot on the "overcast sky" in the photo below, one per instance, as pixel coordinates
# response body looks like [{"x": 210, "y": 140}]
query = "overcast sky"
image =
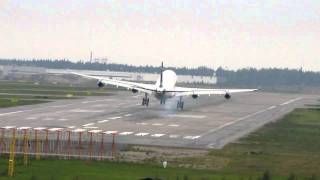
[{"x": 233, "y": 33}]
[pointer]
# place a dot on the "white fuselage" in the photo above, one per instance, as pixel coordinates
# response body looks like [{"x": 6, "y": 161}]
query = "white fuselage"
[{"x": 169, "y": 79}]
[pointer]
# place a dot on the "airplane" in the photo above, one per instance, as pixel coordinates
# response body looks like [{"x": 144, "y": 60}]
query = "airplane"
[{"x": 164, "y": 88}]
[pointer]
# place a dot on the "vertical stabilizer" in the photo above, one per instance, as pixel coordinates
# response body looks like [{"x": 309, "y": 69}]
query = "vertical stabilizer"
[{"x": 161, "y": 75}]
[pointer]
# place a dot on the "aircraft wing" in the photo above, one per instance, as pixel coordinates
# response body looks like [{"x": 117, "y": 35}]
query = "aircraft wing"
[
  {"x": 146, "y": 88},
  {"x": 181, "y": 91}
]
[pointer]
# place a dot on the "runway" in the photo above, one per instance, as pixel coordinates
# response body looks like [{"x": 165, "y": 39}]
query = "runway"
[{"x": 206, "y": 122}]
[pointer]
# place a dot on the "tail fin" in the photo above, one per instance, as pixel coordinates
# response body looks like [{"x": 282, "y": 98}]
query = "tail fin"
[{"x": 161, "y": 75}]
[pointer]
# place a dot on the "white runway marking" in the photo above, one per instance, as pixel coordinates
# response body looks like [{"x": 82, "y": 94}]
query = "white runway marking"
[
  {"x": 55, "y": 129},
  {"x": 111, "y": 132},
  {"x": 85, "y": 111},
  {"x": 79, "y": 130},
  {"x": 85, "y": 102},
  {"x": 127, "y": 115},
  {"x": 237, "y": 120},
  {"x": 157, "y": 135},
  {"x": 57, "y": 106},
  {"x": 272, "y": 107},
  {"x": 113, "y": 118},
  {"x": 47, "y": 119},
  {"x": 23, "y": 128},
  {"x": 71, "y": 127},
  {"x": 157, "y": 124},
  {"x": 174, "y": 136},
  {"x": 31, "y": 118},
  {"x": 125, "y": 133},
  {"x": 8, "y": 127},
  {"x": 143, "y": 124},
  {"x": 40, "y": 128},
  {"x": 90, "y": 127},
  {"x": 95, "y": 131},
  {"x": 89, "y": 124},
  {"x": 191, "y": 137},
  {"x": 9, "y": 113},
  {"x": 141, "y": 134},
  {"x": 103, "y": 121},
  {"x": 173, "y": 125},
  {"x": 187, "y": 116},
  {"x": 290, "y": 101},
  {"x": 99, "y": 105},
  {"x": 62, "y": 119}
]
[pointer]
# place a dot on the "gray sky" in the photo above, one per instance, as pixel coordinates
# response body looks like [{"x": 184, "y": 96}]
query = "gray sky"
[{"x": 233, "y": 33}]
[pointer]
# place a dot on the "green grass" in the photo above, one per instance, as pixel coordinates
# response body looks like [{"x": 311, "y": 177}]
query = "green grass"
[
  {"x": 84, "y": 170},
  {"x": 26, "y": 93},
  {"x": 4, "y": 103},
  {"x": 288, "y": 146}
]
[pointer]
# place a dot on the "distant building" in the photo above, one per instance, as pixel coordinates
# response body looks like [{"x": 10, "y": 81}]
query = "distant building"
[
  {"x": 23, "y": 70},
  {"x": 135, "y": 76}
]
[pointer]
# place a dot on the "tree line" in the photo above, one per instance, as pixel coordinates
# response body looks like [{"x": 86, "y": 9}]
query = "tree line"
[{"x": 249, "y": 77}]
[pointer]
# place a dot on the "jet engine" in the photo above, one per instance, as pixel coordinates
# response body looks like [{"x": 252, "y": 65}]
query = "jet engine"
[
  {"x": 100, "y": 84},
  {"x": 134, "y": 90},
  {"x": 227, "y": 96},
  {"x": 195, "y": 96}
]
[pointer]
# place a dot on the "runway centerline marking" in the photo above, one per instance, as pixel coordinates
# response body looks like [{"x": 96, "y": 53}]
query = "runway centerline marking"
[
  {"x": 173, "y": 125},
  {"x": 157, "y": 124},
  {"x": 62, "y": 119},
  {"x": 85, "y": 102},
  {"x": 291, "y": 101},
  {"x": 143, "y": 124},
  {"x": 47, "y": 119},
  {"x": 237, "y": 120},
  {"x": 9, "y": 113},
  {"x": 31, "y": 118},
  {"x": 85, "y": 111},
  {"x": 187, "y": 116}
]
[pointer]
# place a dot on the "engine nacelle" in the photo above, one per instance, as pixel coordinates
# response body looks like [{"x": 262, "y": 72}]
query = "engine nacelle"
[
  {"x": 227, "y": 96},
  {"x": 195, "y": 96},
  {"x": 134, "y": 90},
  {"x": 100, "y": 84}
]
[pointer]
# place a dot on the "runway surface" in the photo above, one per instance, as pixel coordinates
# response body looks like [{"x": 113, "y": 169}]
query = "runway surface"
[{"x": 206, "y": 122}]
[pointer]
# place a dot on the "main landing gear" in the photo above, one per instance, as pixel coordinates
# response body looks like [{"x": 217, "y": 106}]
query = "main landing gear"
[
  {"x": 162, "y": 100},
  {"x": 145, "y": 100},
  {"x": 180, "y": 103}
]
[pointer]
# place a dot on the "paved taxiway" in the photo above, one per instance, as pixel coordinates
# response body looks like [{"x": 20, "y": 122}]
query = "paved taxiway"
[{"x": 206, "y": 122}]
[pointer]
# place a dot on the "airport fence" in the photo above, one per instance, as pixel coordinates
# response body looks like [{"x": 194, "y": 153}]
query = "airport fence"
[{"x": 58, "y": 142}]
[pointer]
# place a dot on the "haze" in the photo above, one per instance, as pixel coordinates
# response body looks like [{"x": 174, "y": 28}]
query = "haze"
[{"x": 233, "y": 34}]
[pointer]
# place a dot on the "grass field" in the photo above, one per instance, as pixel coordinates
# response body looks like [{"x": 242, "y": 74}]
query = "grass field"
[
  {"x": 288, "y": 147},
  {"x": 26, "y": 93}
]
